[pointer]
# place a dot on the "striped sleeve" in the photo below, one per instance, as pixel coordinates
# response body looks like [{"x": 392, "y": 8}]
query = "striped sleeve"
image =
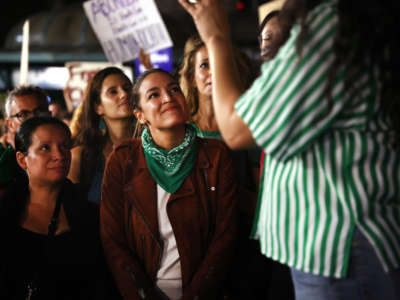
[{"x": 285, "y": 108}]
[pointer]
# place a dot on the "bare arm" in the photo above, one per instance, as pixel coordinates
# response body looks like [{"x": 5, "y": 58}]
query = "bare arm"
[
  {"x": 75, "y": 169},
  {"x": 145, "y": 60},
  {"x": 212, "y": 23}
]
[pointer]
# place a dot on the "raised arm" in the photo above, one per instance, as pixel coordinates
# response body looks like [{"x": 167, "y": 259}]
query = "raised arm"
[
  {"x": 212, "y": 23},
  {"x": 286, "y": 109}
]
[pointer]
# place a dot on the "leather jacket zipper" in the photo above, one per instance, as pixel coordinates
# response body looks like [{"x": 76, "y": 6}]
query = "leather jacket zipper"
[
  {"x": 160, "y": 243},
  {"x": 131, "y": 274},
  {"x": 142, "y": 239}
]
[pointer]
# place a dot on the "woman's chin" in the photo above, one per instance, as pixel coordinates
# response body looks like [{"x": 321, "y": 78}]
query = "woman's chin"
[
  {"x": 174, "y": 124},
  {"x": 207, "y": 92}
]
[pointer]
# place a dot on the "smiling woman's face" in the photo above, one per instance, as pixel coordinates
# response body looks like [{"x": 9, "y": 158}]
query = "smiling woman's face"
[
  {"x": 49, "y": 156},
  {"x": 162, "y": 103},
  {"x": 202, "y": 72}
]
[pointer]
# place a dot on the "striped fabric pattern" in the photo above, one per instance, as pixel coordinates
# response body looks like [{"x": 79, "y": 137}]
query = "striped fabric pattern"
[{"x": 329, "y": 165}]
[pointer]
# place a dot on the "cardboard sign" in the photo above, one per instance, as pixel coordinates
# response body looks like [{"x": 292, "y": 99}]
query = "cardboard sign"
[{"x": 124, "y": 26}]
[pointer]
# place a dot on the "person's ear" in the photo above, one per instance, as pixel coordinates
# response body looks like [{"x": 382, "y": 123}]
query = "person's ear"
[
  {"x": 140, "y": 116},
  {"x": 21, "y": 160}
]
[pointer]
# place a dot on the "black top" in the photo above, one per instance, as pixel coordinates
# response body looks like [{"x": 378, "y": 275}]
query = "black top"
[
  {"x": 69, "y": 265},
  {"x": 58, "y": 263}
]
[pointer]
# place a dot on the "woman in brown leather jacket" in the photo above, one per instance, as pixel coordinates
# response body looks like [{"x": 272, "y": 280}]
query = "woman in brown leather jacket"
[{"x": 168, "y": 210}]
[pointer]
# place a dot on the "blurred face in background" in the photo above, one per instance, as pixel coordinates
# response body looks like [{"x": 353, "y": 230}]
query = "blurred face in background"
[
  {"x": 115, "y": 97},
  {"x": 270, "y": 39},
  {"x": 202, "y": 73},
  {"x": 55, "y": 109},
  {"x": 23, "y": 108}
]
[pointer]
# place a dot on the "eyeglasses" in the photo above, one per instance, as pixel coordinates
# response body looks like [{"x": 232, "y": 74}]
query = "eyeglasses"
[{"x": 26, "y": 114}]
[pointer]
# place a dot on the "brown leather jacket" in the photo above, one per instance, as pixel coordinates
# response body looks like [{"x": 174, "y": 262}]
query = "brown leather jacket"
[{"x": 202, "y": 213}]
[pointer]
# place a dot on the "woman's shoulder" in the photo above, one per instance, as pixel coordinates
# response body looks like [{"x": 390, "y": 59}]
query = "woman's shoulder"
[
  {"x": 75, "y": 168},
  {"x": 77, "y": 149},
  {"x": 213, "y": 149},
  {"x": 73, "y": 192},
  {"x": 13, "y": 201},
  {"x": 213, "y": 144},
  {"x": 77, "y": 152},
  {"x": 78, "y": 209},
  {"x": 125, "y": 154},
  {"x": 127, "y": 145}
]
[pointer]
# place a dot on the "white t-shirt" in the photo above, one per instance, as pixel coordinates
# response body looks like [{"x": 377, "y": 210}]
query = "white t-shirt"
[{"x": 169, "y": 276}]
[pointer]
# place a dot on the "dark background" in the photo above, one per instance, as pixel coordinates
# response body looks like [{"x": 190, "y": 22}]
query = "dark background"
[
  {"x": 244, "y": 21},
  {"x": 65, "y": 42},
  {"x": 14, "y": 11}
]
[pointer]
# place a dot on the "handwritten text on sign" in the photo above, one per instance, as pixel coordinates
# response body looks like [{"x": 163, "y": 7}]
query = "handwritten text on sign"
[{"x": 124, "y": 26}]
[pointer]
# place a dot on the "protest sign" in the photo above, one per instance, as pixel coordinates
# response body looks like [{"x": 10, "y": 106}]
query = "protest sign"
[{"x": 124, "y": 26}]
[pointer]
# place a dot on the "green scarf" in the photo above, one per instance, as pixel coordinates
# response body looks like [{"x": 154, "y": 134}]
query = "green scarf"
[
  {"x": 169, "y": 168},
  {"x": 207, "y": 134}
]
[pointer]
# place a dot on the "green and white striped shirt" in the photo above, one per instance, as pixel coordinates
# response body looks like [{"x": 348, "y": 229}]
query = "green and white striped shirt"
[{"x": 329, "y": 166}]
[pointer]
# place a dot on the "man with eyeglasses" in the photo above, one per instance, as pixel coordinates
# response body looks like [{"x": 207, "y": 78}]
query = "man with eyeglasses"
[{"x": 22, "y": 103}]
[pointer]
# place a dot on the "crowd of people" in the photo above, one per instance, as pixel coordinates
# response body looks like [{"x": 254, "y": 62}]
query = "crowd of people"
[{"x": 215, "y": 183}]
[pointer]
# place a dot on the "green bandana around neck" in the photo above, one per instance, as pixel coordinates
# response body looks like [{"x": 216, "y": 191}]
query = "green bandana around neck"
[{"x": 169, "y": 168}]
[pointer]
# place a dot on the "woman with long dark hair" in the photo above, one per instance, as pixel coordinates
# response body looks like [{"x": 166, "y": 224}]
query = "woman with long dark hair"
[
  {"x": 168, "y": 210},
  {"x": 326, "y": 112},
  {"x": 107, "y": 117}
]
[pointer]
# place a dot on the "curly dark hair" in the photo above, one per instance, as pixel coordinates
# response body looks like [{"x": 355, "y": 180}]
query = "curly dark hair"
[
  {"x": 90, "y": 136},
  {"x": 368, "y": 35}
]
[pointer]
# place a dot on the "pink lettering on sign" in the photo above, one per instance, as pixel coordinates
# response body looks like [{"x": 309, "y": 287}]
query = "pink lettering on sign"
[{"x": 75, "y": 87}]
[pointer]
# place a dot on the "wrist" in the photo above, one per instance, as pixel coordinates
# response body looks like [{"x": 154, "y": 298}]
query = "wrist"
[{"x": 218, "y": 40}]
